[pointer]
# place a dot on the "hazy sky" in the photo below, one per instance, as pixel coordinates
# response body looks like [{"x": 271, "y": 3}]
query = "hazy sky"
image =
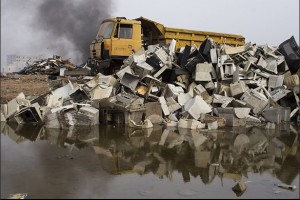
[{"x": 259, "y": 21}]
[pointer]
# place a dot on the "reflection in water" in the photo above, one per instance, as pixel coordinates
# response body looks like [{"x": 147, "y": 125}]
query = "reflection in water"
[{"x": 226, "y": 153}]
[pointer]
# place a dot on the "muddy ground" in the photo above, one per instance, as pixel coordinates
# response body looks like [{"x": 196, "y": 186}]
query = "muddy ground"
[{"x": 30, "y": 85}]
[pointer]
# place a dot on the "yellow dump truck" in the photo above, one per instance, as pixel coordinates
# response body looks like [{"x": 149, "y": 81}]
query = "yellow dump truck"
[{"x": 119, "y": 37}]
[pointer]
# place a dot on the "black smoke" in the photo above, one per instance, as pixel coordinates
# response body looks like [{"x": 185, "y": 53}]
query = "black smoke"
[{"x": 70, "y": 25}]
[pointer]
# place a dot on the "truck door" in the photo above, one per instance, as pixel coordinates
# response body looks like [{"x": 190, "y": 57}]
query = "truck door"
[{"x": 125, "y": 40}]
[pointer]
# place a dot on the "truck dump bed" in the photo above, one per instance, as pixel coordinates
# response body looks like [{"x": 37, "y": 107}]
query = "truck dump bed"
[{"x": 154, "y": 33}]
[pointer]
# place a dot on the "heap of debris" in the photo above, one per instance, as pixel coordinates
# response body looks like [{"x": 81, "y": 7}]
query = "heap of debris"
[
  {"x": 211, "y": 86},
  {"x": 52, "y": 66}
]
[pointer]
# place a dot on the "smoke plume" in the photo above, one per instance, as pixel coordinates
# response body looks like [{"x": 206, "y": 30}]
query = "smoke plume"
[
  {"x": 48, "y": 27},
  {"x": 71, "y": 25}
]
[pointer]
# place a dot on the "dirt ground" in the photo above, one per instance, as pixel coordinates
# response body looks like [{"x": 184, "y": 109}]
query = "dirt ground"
[{"x": 30, "y": 85}]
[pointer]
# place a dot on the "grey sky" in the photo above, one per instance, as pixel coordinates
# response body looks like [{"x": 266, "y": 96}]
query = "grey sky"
[{"x": 259, "y": 21}]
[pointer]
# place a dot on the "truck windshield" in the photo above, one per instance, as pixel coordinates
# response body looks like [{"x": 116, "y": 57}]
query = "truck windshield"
[{"x": 105, "y": 30}]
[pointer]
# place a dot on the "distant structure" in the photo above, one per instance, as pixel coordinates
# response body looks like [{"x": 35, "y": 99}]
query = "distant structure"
[{"x": 15, "y": 63}]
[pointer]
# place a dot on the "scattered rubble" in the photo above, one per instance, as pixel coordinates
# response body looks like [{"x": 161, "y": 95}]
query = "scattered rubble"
[
  {"x": 55, "y": 66},
  {"x": 239, "y": 188},
  {"x": 288, "y": 187},
  {"x": 18, "y": 196},
  {"x": 210, "y": 86}
]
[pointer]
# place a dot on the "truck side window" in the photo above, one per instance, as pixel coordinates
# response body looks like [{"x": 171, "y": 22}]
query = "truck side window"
[{"x": 125, "y": 31}]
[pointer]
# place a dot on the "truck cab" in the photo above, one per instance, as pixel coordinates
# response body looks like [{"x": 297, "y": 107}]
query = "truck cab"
[{"x": 116, "y": 39}]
